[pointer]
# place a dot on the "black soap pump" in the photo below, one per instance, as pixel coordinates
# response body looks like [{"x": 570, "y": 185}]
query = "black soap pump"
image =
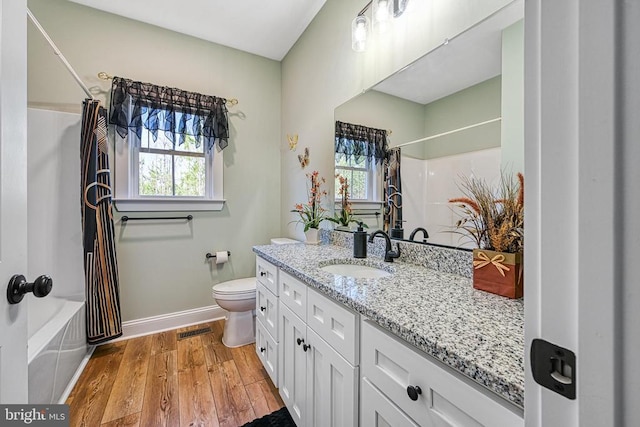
[
  {"x": 398, "y": 232},
  {"x": 360, "y": 242}
]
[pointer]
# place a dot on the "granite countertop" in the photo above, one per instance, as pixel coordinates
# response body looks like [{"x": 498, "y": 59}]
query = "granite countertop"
[{"x": 479, "y": 334}]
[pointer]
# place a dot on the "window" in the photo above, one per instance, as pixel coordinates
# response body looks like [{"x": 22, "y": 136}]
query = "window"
[
  {"x": 359, "y": 175},
  {"x": 168, "y": 147},
  {"x": 159, "y": 174}
]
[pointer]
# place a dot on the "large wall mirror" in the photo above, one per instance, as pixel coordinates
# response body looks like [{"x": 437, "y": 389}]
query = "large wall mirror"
[{"x": 457, "y": 111}]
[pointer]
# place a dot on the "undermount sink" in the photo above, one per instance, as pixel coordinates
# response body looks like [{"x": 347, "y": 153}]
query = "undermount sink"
[{"x": 358, "y": 271}]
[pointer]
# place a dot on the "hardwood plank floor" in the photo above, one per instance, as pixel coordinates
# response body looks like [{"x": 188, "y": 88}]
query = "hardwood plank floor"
[{"x": 160, "y": 380}]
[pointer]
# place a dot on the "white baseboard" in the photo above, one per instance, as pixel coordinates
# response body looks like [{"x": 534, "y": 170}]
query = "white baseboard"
[
  {"x": 165, "y": 322},
  {"x": 67, "y": 391}
]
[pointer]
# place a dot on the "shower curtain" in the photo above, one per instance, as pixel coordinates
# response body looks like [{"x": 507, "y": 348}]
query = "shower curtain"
[
  {"x": 101, "y": 270},
  {"x": 392, "y": 190}
]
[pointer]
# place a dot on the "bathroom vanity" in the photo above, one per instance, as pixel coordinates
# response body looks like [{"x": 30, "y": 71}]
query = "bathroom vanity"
[{"x": 409, "y": 346}]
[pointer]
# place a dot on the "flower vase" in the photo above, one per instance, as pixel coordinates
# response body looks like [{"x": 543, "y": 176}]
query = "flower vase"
[{"x": 311, "y": 236}]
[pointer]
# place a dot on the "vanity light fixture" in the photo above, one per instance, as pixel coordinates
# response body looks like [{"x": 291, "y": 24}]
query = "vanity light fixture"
[{"x": 382, "y": 13}]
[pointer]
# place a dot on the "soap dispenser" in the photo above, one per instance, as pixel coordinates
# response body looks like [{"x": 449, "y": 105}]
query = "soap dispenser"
[
  {"x": 398, "y": 232},
  {"x": 360, "y": 242}
]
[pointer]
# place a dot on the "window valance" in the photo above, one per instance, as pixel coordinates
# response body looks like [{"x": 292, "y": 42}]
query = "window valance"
[
  {"x": 361, "y": 141},
  {"x": 138, "y": 105}
]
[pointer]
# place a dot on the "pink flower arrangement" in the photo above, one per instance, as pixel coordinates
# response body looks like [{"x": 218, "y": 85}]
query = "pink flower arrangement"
[{"x": 312, "y": 213}]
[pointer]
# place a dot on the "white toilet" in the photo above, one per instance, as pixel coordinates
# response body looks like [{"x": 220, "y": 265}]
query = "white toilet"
[{"x": 238, "y": 297}]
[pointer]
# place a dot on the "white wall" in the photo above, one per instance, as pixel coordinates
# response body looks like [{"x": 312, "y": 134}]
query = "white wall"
[{"x": 54, "y": 218}]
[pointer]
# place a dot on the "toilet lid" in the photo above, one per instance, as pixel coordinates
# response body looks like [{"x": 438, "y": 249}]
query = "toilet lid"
[{"x": 236, "y": 287}]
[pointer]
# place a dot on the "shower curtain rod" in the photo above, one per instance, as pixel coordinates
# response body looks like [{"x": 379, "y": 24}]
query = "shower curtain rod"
[
  {"x": 104, "y": 76},
  {"x": 428, "y": 138},
  {"x": 60, "y": 55}
]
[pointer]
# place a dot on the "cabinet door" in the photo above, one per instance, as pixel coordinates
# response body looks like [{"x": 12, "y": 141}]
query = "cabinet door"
[
  {"x": 377, "y": 410},
  {"x": 293, "y": 293},
  {"x": 267, "y": 350},
  {"x": 292, "y": 364},
  {"x": 267, "y": 274},
  {"x": 332, "y": 386},
  {"x": 267, "y": 310}
]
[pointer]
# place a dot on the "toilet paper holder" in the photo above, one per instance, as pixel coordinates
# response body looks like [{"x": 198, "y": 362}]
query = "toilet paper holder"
[{"x": 209, "y": 255}]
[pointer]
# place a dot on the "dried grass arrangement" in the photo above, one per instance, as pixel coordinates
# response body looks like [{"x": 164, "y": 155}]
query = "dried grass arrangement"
[{"x": 493, "y": 219}]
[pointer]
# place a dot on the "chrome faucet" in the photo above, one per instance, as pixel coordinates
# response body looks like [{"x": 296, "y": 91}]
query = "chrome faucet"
[
  {"x": 389, "y": 255},
  {"x": 424, "y": 231}
]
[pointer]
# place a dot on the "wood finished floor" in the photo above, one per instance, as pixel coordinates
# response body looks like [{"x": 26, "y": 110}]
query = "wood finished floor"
[{"x": 158, "y": 380}]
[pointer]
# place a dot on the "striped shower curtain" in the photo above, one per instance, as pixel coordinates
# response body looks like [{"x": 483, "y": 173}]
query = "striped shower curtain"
[
  {"x": 100, "y": 266},
  {"x": 392, "y": 190}
]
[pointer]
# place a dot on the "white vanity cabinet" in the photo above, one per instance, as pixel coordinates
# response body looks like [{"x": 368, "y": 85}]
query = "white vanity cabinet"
[
  {"x": 267, "y": 316},
  {"x": 401, "y": 387},
  {"x": 317, "y": 383}
]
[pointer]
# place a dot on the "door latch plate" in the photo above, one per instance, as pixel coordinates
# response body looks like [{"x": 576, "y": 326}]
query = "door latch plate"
[{"x": 554, "y": 367}]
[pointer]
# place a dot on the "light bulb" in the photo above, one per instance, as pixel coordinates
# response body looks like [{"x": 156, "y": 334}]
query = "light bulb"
[{"x": 359, "y": 33}]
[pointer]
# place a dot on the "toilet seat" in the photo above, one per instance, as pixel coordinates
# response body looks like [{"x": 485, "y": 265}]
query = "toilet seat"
[{"x": 238, "y": 289}]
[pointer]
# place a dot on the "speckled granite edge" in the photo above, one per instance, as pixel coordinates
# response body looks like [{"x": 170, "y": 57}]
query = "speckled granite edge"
[
  {"x": 509, "y": 386},
  {"x": 446, "y": 260}
]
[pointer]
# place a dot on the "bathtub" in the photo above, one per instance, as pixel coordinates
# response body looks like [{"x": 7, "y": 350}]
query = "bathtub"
[{"x": 56, "y": 347}]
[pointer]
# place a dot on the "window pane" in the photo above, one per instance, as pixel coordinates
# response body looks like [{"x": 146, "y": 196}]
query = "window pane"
[
  {"x": 190, "y": 176},
  {"x": 155, "y": 175},
  {"x": 189, "y": 145},
  {"x": 359, "y": 164},
  {"x": 342, "y": 160},
  {"x": 358, "y": 185}
]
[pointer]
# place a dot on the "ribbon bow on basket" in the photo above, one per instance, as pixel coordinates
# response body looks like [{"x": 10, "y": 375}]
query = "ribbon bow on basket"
[{"x": 497, "y": 261}]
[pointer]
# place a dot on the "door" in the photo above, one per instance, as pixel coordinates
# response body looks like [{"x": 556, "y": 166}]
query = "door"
[
  {"x": 581, "y": 153},
  {"x": 332, "y": 386},
  {"x": 13, "y": 197},
  {"x": 292, "y": 364}
]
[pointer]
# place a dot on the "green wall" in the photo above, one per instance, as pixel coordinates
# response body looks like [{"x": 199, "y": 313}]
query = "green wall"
[
  {"x": 513, "y": 98},
  {"x": 469, "y": 106},
  {"x": 162, "y": 266}
]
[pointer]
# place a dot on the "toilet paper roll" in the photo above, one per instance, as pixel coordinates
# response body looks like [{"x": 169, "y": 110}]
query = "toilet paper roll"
[{"x": 221, "y": 257}]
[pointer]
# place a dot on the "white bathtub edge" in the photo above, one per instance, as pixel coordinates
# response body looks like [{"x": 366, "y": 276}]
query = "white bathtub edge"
[
  {"x": 165, "y": 322},
  {"x": 76, "y": 376}
]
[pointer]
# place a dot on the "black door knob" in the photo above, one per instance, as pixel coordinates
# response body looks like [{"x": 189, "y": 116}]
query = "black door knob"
[
  {"x": 18, "y": 287},
  {"x": 299, "y": 341},
  {"x": 262, "y": 349},
  {"x": 306, "y": 347},
  {"x": 414, "y": 392},
  {"x": 263, "y": 308},
  {"x": 262, "y": 274}
]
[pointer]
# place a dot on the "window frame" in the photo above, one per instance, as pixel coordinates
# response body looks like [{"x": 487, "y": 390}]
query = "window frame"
[
  {"x": 126, "y": 181},
  {"x": 374, "y": 184}
]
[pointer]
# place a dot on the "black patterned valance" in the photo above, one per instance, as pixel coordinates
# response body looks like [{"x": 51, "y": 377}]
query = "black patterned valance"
[
  {"x": 137, "y": 105},
  {"x": 359, "y": 141}
]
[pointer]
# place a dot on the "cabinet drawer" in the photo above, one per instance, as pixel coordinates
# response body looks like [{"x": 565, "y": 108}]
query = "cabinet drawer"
[
  {"x": 267, "y": 309},
  {"x": 267, "y": 274},
  {"x": 377, "y": 410},
  {"x": 335, "y": 324},
  {"x": 446, "y": 399},
  {"x": 267, "y": 350},
  {"x": 293, "y": 293}
]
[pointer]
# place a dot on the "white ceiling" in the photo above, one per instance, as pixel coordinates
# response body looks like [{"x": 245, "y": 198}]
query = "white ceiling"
[
  {"x": 267, "y": 29},
  {"x": 468, "y": 59}
]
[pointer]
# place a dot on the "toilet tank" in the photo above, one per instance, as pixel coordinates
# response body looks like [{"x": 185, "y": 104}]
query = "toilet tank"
[{"x": 283, "y": 241}]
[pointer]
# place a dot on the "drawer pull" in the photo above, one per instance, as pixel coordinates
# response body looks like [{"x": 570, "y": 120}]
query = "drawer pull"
[
  {"x": 262, "y": 274},
  {"x": 262, "y": 349},
  {"x": 262, "y": 308},
  {"x": 299, "y": 341},
  {"x": 414, "y": 392},
  {"x": 306, "y": 347}
]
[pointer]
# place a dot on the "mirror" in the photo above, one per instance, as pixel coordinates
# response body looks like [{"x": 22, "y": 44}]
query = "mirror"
[{"x": 457, "y": 111}]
